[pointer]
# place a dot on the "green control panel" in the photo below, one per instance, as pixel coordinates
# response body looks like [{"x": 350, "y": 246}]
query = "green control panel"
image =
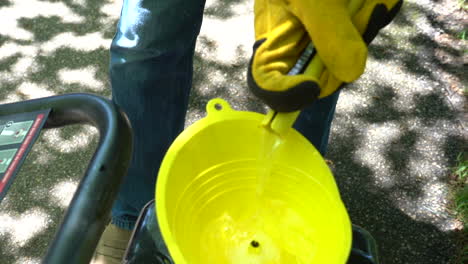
[{"x": 17, "y": 136}]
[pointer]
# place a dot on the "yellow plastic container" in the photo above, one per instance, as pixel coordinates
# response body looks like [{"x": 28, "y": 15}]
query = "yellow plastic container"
[{"x": 224, "y": 196}]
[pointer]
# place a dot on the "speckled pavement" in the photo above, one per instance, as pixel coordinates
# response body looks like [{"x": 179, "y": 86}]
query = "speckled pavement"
[{"x": 396, "y": 134}]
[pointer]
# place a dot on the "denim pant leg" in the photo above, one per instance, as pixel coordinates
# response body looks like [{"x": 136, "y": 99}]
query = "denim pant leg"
[
  {"x": 151, "y": 76},
  {"x": 314, "y": 122}
]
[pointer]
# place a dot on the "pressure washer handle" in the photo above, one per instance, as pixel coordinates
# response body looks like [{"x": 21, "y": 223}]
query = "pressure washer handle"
[{"x": 89, "y": 210}]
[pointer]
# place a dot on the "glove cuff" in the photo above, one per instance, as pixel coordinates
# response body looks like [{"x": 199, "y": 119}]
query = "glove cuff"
[{"x": 379, "y": 19}]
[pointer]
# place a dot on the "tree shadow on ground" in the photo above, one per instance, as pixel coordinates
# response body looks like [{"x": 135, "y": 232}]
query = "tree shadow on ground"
[
  {"x": 48, "y": 64},
  {"x": 389, "y": 211},
  {"x": 5, "y": 3},
  {"x": 233, "y": 88},
  {"x": 426, "y": 54},
  {"x": 222, "y": 9},
  {"x": 401, "y": 239}
]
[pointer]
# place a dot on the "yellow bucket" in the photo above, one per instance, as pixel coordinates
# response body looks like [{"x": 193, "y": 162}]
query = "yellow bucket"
[{"x": 218, "y": 201}]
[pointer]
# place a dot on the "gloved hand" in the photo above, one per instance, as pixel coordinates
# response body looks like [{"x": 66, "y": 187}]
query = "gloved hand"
[{"x": 340, "y": 31}]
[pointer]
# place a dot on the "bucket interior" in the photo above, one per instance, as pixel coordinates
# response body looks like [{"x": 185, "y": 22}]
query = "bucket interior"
[{"x": 221, "y": 218}]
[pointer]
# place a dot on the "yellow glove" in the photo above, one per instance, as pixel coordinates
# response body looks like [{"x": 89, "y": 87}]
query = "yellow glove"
[{"x": 340, "y": 31}]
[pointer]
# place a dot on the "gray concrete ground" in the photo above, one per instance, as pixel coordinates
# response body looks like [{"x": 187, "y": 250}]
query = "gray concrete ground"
[{"x": 396, "y": 134}]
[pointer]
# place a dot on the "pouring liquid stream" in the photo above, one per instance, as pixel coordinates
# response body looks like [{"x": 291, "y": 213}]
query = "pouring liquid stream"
[
  {"x": 269, "y": 146},
  {"x": 274, "y": 220},
  {"x": 261, "y": 244}
]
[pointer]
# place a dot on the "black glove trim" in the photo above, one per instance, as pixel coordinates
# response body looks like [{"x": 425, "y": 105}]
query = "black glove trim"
[
  {"x": 380, "y": 18},
  {"x": 290, "y": 100}
]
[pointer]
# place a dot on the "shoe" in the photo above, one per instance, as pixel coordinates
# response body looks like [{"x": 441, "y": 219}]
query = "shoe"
[{"x": 112, "y": 245}]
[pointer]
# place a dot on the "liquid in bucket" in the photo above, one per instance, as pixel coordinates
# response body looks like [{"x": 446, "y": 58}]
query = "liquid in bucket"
[
  {"x": 280, "y": 236},
  {"x": 269, "y": 232}
]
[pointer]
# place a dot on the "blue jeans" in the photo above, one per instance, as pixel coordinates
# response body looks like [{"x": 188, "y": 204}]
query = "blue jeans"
[{"x": 151, "y": 70}]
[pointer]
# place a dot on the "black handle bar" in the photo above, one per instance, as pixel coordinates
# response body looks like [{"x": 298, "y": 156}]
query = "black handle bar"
[{"x": 89, "y": 210}]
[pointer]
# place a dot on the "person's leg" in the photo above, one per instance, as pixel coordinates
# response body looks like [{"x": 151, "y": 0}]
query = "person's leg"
[
  {"x": 314, "y": 122},
  {"x": 151, "y": 76}
]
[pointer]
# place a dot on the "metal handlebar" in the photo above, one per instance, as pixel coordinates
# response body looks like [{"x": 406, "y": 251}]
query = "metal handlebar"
[{"x": 89, "y": 210}]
